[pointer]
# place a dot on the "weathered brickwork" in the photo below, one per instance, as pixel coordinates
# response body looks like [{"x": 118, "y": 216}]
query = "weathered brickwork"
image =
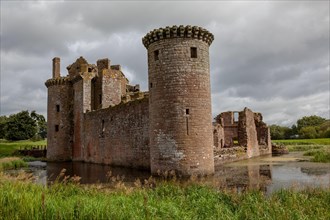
[
  {"x": 59, "y": 119},
  {"x": 230, "y": 128},
  {"x": 119, "y": 135},
  {"x": 94, "y": 115},
  {"x": 241, "y": 129},
  {"x": 180, "y": 104}
]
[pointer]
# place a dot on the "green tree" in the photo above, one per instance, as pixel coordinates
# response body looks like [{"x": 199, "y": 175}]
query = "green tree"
[
  {"x": 312, "y": 120},
  {"x": 20, "y": 126},
  {"x": 324, "y": 129},
  {"x": 294, "y": 130},
  {"x": 3, "y": 121},
  {"x": 279, "y": 132},
  {"x": 41, "y": 125},
  {"x": 308, "y": 132}
]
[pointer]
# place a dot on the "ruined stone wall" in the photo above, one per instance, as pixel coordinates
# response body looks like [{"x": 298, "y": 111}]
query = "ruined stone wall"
[
  {"x": 122, "y": 78},
  {"x": 59, "y": 119},
  {"x": 218, "y": 136},
  {"x": 111, "y": 88},
  {"x": 119, "y": 135},
  {"x": 248, "y": 128},
  {"x": 230, "y": 127},
  {"x": 180, "y": 100},
  {"x": 248, "y": 133}
]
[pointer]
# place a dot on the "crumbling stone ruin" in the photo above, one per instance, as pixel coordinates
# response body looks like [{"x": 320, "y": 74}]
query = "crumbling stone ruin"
[
  {"x": 239, "y": 135},
  {"x": 94, "y": 115}
]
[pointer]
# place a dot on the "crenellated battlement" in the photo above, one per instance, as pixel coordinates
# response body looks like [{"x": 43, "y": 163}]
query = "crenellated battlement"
[
  {"x": 181, "y": 31},
  {"x": 58, "y": 81}
]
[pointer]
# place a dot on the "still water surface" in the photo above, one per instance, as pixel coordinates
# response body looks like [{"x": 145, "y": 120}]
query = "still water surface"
[{"x": 268, "y": 173}]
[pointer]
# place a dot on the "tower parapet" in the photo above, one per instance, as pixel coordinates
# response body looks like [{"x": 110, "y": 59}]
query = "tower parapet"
[
  {"x": 178, "y": 32},
  {"x": 180, "y": 117},
  {"x": 58, "y": 81}
]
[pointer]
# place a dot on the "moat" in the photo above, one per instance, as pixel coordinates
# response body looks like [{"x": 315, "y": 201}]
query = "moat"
[{"x": 267, "y": 173}]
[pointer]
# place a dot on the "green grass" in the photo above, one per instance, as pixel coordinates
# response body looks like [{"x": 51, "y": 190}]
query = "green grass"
[
  {"x": 168, "y": 200},
  {"x": 11, "y": 163},
  {"x": 322, "y": 155},
  {"x": 7, "y": 148},
  {"x": 319, "y": 149},
  {"x": 318, "y": 141}
]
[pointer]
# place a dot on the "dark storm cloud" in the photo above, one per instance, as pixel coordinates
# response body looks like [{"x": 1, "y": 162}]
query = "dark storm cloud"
[{"x": 271, "y": 56}]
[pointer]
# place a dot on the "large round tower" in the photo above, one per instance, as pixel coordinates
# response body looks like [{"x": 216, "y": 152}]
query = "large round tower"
[
  {"x": 59, "y": 115},
  {"x": 180, "y": 100}
]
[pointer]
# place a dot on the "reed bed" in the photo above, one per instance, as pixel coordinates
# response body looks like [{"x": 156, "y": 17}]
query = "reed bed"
[
  {"x": 20, "y": 198},
  {"x": 11, "y": 163}
]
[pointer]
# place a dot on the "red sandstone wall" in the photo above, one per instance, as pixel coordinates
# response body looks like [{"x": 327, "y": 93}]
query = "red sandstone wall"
[
  {"x": 119, "y": 135},
  {"x": 180, "y": 140},
  {"x": 248, "y": 133},
  {"x": 218, "y": 136},
  {"x": 111, "y": 88},
  {"x": 59, "y": 143},
  {"x": 78, "y": 120},
  {"x": 230, "y": 128}
]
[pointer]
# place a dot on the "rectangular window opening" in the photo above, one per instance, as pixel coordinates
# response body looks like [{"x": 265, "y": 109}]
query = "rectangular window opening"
[
  {"x": 103, "y": 127},
  {"x": 156, "y": 54},
  {"x": 236, "y": 116},
  {"x": 58, "y": 108},
  {"x": 193, "y": 52},
  {"x": 100, "y": 99},
  {"x": 187, "y": 111},
  {"x": 150, "y": 85},
  {"x": 57, "y": 128}
]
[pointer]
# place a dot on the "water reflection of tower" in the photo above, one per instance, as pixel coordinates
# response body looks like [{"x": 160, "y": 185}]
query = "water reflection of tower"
[
  {"x": 252, "y": 176},
  {"x": 260, "y": 176}
]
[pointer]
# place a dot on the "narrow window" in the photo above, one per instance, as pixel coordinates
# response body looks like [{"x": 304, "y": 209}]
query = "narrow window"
[
  {"x": 57, "y": 128},
  {"x": 193, "y": 52},
  {"x": 150, "y": 85},
  {"x": 100, "y": 99},
  {"x": 236, "y": 116},
  {"x": 103, "y": 127},
  {"x": 187, "y": 121},
  {"x": 156, "y": 54},
  {"x": 58, "y": 108}
]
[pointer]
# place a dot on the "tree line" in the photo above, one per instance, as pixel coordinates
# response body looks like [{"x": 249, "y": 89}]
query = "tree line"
[
  {"x": 25, "y": 125},
  {"x": 22, "y": 126},
  {"x": 306, "y": 127}
]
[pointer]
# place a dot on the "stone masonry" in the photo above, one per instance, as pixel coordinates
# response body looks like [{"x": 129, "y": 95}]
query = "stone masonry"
[
  {"x": 94, "y": 115},
  {"x": 246, "y": 131}
]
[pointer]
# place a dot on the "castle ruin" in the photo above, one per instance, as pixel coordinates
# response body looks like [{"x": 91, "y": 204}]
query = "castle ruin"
[{"x": 95, "y": 115}]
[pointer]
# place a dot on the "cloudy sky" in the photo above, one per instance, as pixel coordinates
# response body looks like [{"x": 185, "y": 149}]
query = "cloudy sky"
[{"x": 271, "y": 56}]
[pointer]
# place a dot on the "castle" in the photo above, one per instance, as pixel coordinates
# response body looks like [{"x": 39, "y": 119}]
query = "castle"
[{"x": 95, "y": 115}]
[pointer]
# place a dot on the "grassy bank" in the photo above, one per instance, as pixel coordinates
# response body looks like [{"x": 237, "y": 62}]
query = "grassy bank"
[
  {"x": 322, "y": 155},
  {"x": 317, "y": 141},
  {"x": 7, "y": 148},
  {"x": 11, "y": 163},
  {"x": 319, "y": 149},
  {"x": 169, "y": 200}
]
